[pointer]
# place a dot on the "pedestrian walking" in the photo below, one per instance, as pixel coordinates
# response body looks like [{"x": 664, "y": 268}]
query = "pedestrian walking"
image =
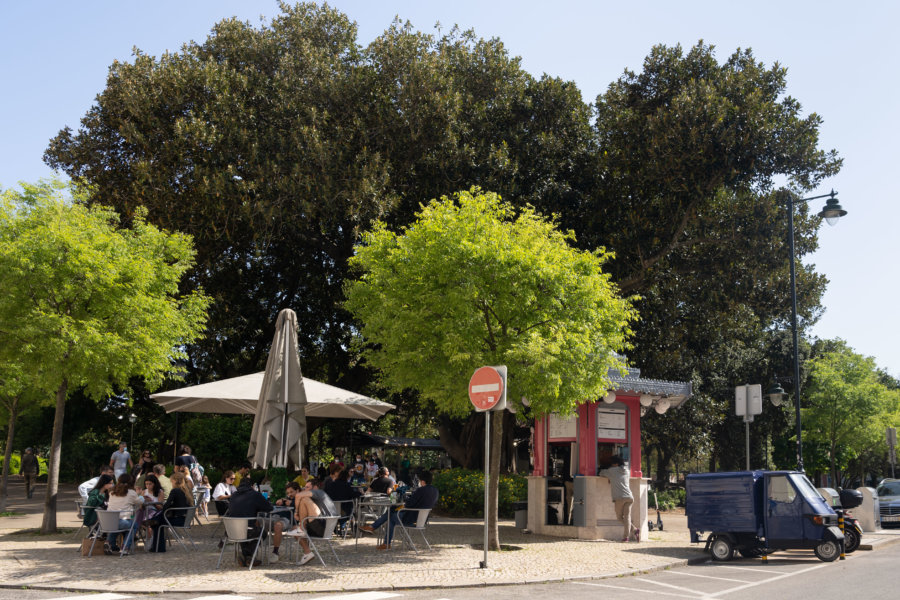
[
  {"x": 29, "y": 470},
  {"x": 121, "y": 461}
]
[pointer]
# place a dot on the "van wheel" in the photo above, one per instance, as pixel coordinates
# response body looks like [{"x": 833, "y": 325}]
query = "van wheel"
[
  {"x": 828, "y": 551},
  {"x": 721, "y": 549}
]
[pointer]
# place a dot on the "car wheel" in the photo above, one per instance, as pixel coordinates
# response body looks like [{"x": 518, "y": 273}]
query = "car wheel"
[
  {"x": 721, "y": 549},
  {"x": 828, "y": 551}
]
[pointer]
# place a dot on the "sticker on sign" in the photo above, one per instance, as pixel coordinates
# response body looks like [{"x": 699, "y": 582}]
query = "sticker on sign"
[{"x": 487, "y": 389}]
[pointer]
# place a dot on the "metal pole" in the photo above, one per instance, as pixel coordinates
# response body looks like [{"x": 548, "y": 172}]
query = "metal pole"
[
  {"x": 790, "y": 207},
  {"x": 487, "y": 453},
  {"x": 747, "y": 440}
]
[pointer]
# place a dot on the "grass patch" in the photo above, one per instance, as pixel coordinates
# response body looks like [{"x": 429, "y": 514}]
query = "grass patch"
[{"x": 10, "y": 513}]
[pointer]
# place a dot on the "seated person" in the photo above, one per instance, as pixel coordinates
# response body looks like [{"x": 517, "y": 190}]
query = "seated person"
[
  {"x": 302, "y": 477},
  {"x": 179, "y": 497},
  {"x": 290, "y": 490},
  {"x": 424, "y": 497},
  {"x": 97, "y": 498},
  {"x": 247, "y": 502},
  {"x": 341, "y": 490},
  {"x": 223, "y": 492},
  {"x": 242, "y": 472},
  {"x": 311, "y": 502},
  {"x": 127, "y": 501},
  {"x": 381, "y": 484},
  {"x": 85, "y": 488},
  {"x": 160, "y": 471},
  {"x": 358, "y": 477}
]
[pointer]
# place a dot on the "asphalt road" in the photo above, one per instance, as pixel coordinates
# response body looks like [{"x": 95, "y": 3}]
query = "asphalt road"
[{"x": 864, "y": 575}]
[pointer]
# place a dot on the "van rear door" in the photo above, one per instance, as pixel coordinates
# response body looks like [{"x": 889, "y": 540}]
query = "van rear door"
[{"x": 783, "y": 512}]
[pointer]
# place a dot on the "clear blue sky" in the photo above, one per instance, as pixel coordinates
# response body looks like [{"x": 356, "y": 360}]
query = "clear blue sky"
[{"x": 841, "y": 57}]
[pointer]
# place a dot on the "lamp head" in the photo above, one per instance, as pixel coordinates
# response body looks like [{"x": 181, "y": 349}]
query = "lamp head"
[
  {"x": 776, "y": 394},
  {"x": 832, "y": 210}
]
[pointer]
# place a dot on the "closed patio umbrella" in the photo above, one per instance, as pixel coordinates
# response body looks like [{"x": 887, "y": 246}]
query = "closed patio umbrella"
[{"x": 279, "y": 425}]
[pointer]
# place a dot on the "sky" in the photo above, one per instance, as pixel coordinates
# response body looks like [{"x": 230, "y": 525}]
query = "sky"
[{"x": 842, "y": 62}]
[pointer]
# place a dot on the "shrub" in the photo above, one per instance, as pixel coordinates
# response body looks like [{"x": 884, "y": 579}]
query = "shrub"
[
  {"x": 462, "y": 492},
  {"x": 669, "y": 499}
]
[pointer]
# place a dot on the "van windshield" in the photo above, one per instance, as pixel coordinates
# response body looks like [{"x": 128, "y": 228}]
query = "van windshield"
[{"x": 804, "y": 486}]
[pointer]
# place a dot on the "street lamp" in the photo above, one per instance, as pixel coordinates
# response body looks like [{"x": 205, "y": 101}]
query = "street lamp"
[
  {"x": 831, "y": 212},
  {"x": 132, "y": 418}
]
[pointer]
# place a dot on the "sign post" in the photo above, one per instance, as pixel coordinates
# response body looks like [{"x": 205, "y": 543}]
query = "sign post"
[
  {"x": 487, "y": 393},
  {"x": 892, "y": 447},
  {"x": 748, "y": 402}
]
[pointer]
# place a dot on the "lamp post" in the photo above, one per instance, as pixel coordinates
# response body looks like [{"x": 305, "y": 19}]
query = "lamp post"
[
  {"x": 132, "y": 418},
  {"x": 831, "y": 213}
]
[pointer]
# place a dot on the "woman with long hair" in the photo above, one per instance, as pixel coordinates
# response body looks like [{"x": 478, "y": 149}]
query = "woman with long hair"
[
  {"x": 127, "y": 501},
  {"x": 97, "y": 498},
  {"x": 178, "y": 498}
]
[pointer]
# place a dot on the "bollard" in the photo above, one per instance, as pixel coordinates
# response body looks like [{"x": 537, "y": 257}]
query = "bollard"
[{"x": 841, "y": 525}]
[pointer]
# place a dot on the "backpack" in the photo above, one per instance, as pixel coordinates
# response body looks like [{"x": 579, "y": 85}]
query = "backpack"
[{"x": 196, "y": 472}]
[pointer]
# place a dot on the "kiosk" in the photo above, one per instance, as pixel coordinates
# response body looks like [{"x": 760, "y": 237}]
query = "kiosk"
[{"x": 566, "y": 497}]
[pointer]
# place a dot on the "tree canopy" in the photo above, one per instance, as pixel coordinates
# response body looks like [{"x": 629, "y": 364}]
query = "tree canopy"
[
  {"x": 87, "y": 304},
  {"x": 475, "y": 282}
]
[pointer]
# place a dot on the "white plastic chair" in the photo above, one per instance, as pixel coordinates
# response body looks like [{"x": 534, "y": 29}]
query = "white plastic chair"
[
  {"x": 237, "y": 531},
  {"x": 327, "y": 535},
  {"x": 420, "y": 525},
  {"x": 347, "y": 511},
  {"x": 108, "y": 524}
]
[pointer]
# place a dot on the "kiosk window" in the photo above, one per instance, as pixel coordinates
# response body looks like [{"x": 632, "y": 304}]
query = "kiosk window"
[{"x": 781, "y": 490}]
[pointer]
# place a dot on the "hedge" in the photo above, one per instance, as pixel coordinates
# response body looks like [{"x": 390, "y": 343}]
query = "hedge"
[{"x": 462, "y": 492}]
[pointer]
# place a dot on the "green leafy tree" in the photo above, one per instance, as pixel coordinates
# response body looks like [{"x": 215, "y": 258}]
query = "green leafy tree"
[
  {"x": 88, "y": 304},
  {"x": 474, "y": 282},
  {"x": 847, "y": 407}
]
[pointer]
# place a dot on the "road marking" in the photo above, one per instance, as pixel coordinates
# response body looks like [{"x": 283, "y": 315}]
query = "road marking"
[
  {"x": 622, "y": 587},
  {"x": 216, "y": 597},
  {"x": 759, "y": 570},
  {"x": 359, "y": 596},
  {"x": 764, "y": 581},
  {"x": 669, "y": 585},
  {"x": 103, "y": 596},
  {"x": 705, "y": 576}
]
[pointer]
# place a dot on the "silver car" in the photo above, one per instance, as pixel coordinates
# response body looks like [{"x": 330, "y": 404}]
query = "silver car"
[{"x": 889, "y": 500}]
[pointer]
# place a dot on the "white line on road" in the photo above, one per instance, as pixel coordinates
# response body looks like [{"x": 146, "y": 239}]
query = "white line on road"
[
  {"x": 670, "y": 586},
  {"x": 705, "y": 576},
  {"x": 764, "y": 581},
  {"x": 755, "y": 570},
  {"x": 622, "y": 587},
  {"x": 359, "y": 596},
  {"x": 103, "y": 596},
  {"x": 215, "y": 597}
]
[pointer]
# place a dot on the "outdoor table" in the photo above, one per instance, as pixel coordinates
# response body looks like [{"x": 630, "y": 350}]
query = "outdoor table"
[
  {"x": 379, "y": 504},
  {"x": 267, "y": 520}
]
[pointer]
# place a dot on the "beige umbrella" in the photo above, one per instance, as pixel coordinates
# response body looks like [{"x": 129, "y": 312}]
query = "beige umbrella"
[{"x": 279, "y": 425}]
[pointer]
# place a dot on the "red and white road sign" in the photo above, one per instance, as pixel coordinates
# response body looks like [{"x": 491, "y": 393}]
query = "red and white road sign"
[{"x": 485, "y": 388}]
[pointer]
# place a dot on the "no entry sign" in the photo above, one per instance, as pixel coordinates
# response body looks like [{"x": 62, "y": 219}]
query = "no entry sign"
[{"x": 487, "y": 388}]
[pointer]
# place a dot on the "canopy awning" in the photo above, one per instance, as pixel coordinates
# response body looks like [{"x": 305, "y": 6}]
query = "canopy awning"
[{"x": 239, "y": 395}]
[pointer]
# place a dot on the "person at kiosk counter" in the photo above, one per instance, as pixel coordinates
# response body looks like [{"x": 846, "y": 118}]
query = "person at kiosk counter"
[{"x": 620, "y": 491}]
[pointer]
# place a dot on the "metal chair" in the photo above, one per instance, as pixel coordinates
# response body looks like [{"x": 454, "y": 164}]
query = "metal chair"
[
  {"x": 420, "y": 525},
  {"x": 237, "y": 531},
  {"x": 79, "y": 508},
  {"x": 108, "y": 524},
  {"x": 327, "y": 535},
  {"x": 347, "y": 511},
  {"x": 185, "y": 528}
]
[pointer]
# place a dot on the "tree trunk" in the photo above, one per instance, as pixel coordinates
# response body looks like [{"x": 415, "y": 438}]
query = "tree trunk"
[
  {"x": 494, "y": 479},
  {"x": 49, "y": 523},
  {"x": 457, "y": 451},
  {"x": 7, "y": 456}
]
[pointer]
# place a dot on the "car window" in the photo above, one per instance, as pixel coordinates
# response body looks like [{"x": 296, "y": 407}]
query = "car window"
[
  {"x": 806, "y": 487},
  {"x": 781, "y": 490},
  {"x": 889, "y": 488}
]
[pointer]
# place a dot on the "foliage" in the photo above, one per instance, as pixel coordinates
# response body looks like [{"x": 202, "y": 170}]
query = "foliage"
[
  {"x": 218, "y": 441},
  {"x": 462, "y": 492},
  {"x": 472, "y": 283},
  {"x": 847, "y": 407},
  {"x": 15, "y": 461},
  {"x": 87, "y": 304},
  {"x": 670, "y": 498}
]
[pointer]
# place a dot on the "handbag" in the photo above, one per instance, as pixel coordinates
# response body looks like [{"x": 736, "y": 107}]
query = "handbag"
[{"x": 86, "y": 547}]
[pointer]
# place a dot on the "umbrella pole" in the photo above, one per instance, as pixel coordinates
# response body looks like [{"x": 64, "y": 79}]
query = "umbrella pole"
[{"x": 283, "y": 451}]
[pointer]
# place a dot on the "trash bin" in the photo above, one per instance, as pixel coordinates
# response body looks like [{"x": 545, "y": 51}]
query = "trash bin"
[{"x": 521, "y": 510}]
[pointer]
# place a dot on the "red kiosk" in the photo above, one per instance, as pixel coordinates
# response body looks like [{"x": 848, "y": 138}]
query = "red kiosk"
[{"x": 566, "y": 497}]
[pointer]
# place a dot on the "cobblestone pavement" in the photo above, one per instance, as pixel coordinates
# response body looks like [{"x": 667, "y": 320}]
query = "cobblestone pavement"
[{"x": 30, "y": 559}]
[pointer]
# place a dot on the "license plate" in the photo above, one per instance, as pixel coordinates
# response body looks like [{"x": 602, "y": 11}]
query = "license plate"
[{"x": 890, "y": 519}]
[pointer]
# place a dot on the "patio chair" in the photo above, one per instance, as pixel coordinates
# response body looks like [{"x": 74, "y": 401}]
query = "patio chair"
[
  {"x": 420, "y": 525},
  {"x": 327, "y": 535},
  {"x": 108, "y": 524},
  {"x": 185, "y": 529},
  {"x": 347, "y": 511},
  {"x": 237, "y": 531},
  {"x": 79, "y": 508}
]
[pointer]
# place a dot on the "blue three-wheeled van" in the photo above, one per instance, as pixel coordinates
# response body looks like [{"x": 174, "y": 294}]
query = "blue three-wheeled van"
[{"x": 759, "y": 512}]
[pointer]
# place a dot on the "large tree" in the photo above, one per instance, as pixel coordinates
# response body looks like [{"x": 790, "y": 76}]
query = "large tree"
[
  {"x": 473, "y": 282},
  {"x": 87, "y": 304}
]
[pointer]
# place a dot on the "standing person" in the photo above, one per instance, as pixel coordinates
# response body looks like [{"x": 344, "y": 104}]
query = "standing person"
[
  {"x": 619, "y": 488},
  {"x": 85, "y": 488},
  {"x": 424, "y": 497},
  {"x": 191, "y": 467},
  {"x": 29, "y": 469},
  {"x": 244, "y": 471},
  {"x": 143, "y": 466},
  {"x": 203, "y": 503},
  {"x": 121, "y": 461}
]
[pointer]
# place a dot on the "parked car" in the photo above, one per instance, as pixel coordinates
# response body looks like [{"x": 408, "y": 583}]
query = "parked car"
[{"x": 889, "y": 500}]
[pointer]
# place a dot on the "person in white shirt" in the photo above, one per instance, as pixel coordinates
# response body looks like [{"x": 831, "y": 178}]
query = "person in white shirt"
[
  {"x": 85, "y": 488},
  {"x": 125, "y": 499},
  {"x": 120, "y": 460},
  {"x": 223, "y": 492}
]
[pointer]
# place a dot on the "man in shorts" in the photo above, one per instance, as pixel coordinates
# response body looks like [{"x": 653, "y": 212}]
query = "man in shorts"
[{"x": 309, "y": 503}]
